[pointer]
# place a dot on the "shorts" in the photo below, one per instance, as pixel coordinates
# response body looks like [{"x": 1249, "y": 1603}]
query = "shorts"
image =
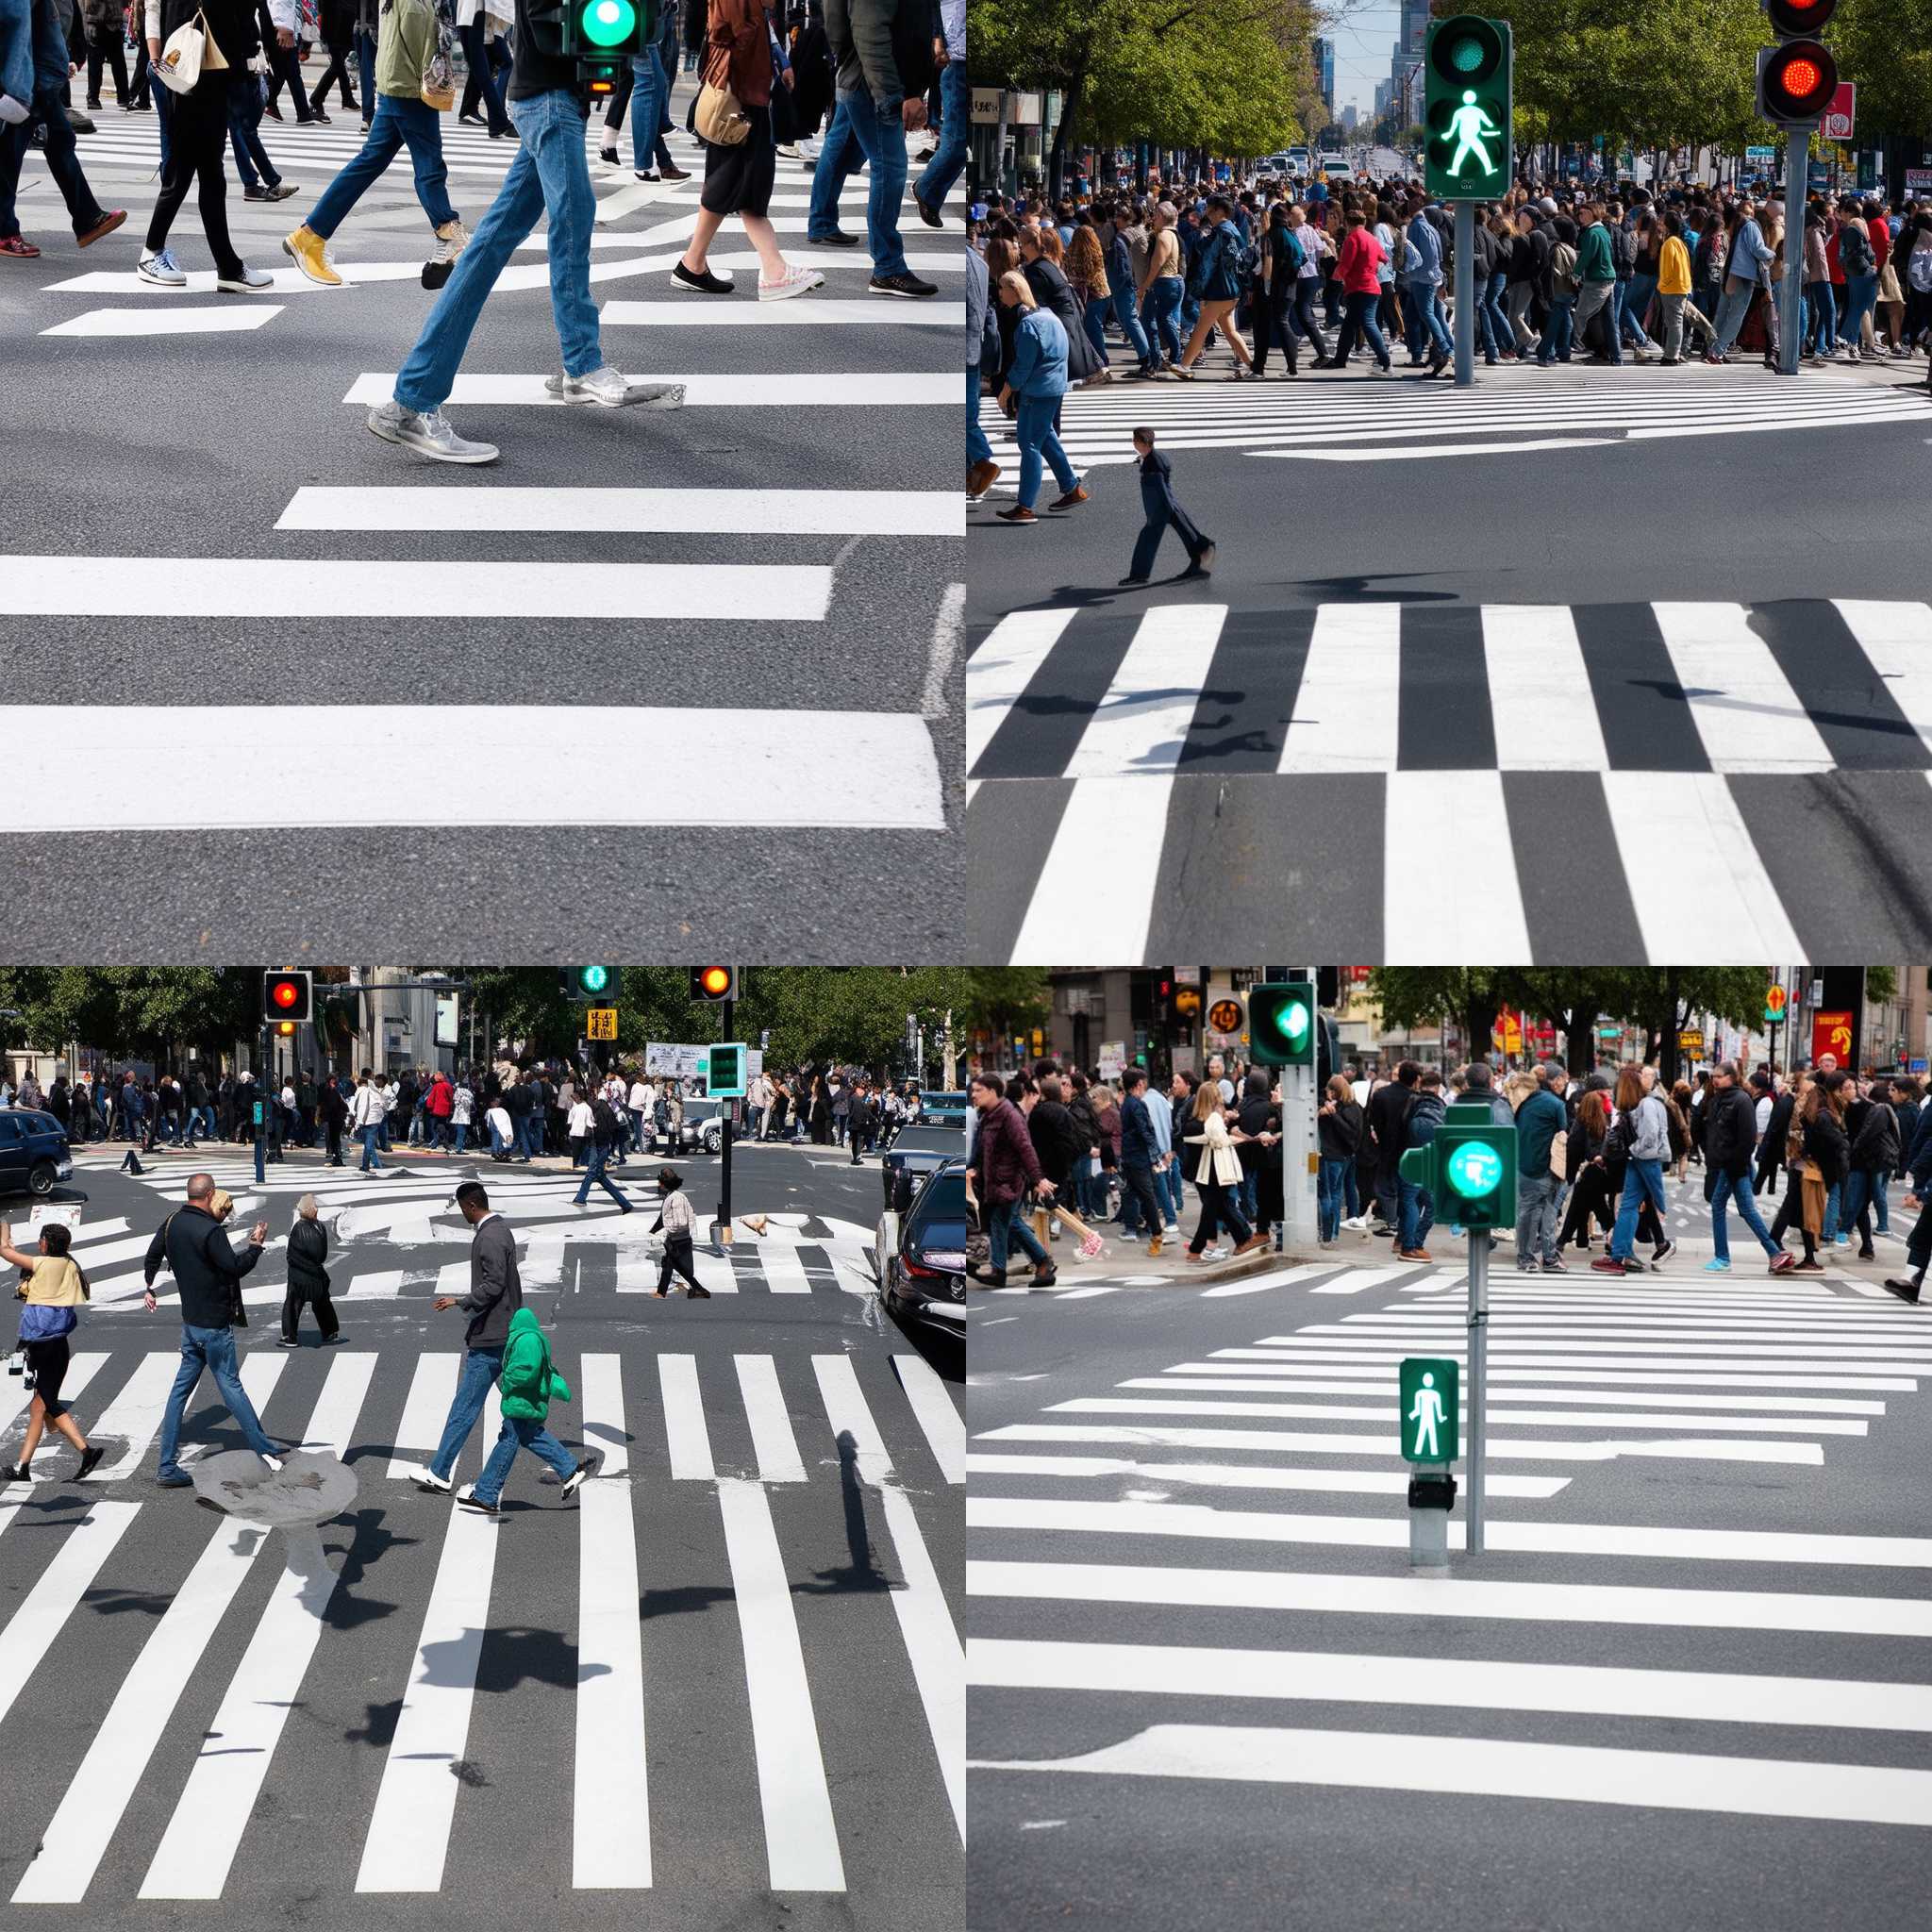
[{"x": 47, "y": 1361}]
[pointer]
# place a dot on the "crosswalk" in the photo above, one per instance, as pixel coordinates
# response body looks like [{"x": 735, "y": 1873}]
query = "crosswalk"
[
  {"x": 1143, "y": 1515},
  {"x": 375, "y": 1669},
  {"x": 1342, "y": 419},
  {"x": 398, "y": 1240},
  {"x": 1408, "y": 743}
]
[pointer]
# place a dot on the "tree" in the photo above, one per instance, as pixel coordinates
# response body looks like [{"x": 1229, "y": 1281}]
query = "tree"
[
  {"x": 1886, "y": 46},
  {"x": 147, "y": 1013}
]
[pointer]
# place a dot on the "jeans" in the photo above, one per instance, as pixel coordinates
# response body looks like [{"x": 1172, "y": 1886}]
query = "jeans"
[
  {"x": 1862, "y": 291},
  {"x": 1427, "y": 314},
  {"x": 594, "y": 1176},
  {"x": 62, "y": 161},
  {"x": 1821, "y": 319},
  {"x": 977, "y": 449},
  {"x": 1493, "y": 317},
  {"x": 519, "y": 1432},
  {"x": 881, "y": 139},
  {"x": 1359, "y": 321},
  {"x": 285, "y": 64},
  {"x": 1731, "y": 311},
  {"x": 372, "y": 1162},
  {"x": 481, "y": 1367},
  {"x": 1638, "y": 291},
  {"x": 212, "y": 1349},
  {"x": 1640, "y": 1178},
  {"x": 1330, "y": 1193},
  {"x": 1160, "y": 315},
  {"x": 1140, "y": 1198},
  {"x": 949, "y": 158},
  {"x": 838, "y": 157},
  {"x": 1594, "y": 299},
  {"x": 1536, "y": 1217},
  {"x": 365, "y": 74},
  {"x": 551, "y": 176},
  {"x": 1559, "y": 332},
  {"x": 1034, "y": 428},
  {"x": 1220, "y": 1210},
  {"x": 1418, "y": 1215},
  {"x": 1863, "y": 1189},
  {"x": 1094, "y": 320},
  {"x": 650, "y": 90},
  {"x": 1726, "y": 1188},
  {"x": 482, "y": 85},
  {"x": 398, "y": 124},
  {"x": 1004, "y": 1226}
]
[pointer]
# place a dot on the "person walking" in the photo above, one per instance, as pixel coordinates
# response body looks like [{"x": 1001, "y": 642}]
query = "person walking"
[
  {"x": 54, "y": 1290},
  {"x": 1034, "y": 386},
  {"x": 1002, "y": 1167},
  {"x": 366, "y": 1116},
  {"x": 1358, "y": 269},
  {"x": 193, "y": 1247},
  {"x": 496, "y": 1293},
  {"x": 1161, "y": 509},
  {"x": 1730, "y": 1137},
  {"x": 1643, "y": 1127},
  {"x": 307, "y": 1276},
  {"x": 1542, "y": 1121},
  {"x": 1217, "y": 1178},
  {"x": 676, "y": 1223},
  {"x": 1216, "y": 286},
  {"x": 598, "y": 1144},
  {"x": 39, "y": 62},
  {"x": 528, "y": 1384}
]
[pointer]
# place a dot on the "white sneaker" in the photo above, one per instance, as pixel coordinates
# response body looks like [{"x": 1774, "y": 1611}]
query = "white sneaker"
[
  {"x": 274, "y": 1462},
  {"x": 450, "y": 240},
  {"x": 427, "y": 1478},
  {"x": 615, "y": 390},
  {"x": 159, "y": 268},
  {"x": 430, "y": 436},
  {"x": 250, "y": 281},
  {"x": 795, "y": 281},
  {"x": 1356, "y": 1224}
]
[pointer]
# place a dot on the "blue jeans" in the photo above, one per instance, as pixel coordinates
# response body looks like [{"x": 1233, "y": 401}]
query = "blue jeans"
[
  {"x": 481, "y": 1367},
  {"x": 1560, "y": 332},
  {"x": 462, "y": 1131},
  {"x": 212, "y": 1349},
  {"x": 519, "y": 1433},
  {"x": 498, "y": 1143},
  {"x": 1862, "y": 291},
  {"x": 1093, "y": 318},
  {"x": 60, "y": 154},
  {"x": 1727, "y": 1188},
  {"x": 1004, "y": 1226},
  {"x": 1038, "y": 444},
  {"x": 365, "y": 73},
  {"x": 1864, "y": 1186},
  {"x": 1425, "y": 318},
  {"x": 1821, "y": 319},
  {"x": 244, "y": 121},
  {"x": 594, "y": 1157},
  {"x": 949, "y": 158},
  {"x": 1494, "y": 316},
  {"x": 1640, "y": 1178},
  {"x": 1731, "y": 310},
  {"x": 839, "y": 157},
  {"x": 881, "y": 139},
  {"x": 551, "y": 174},
  {"x": 977, "y": 449},
  {"x": 1160, "y": 315},
  {"x": 1635, "y": 297},
  {"x": 650, "y": 90},
  {"x": 372, "y": 1162},
  {"x": 1358, "y": 320},
  {"x": 1122, "y": 299},
  {"x": 398, "y": 124},
  {"x": 1418, "y": 1215},
  {"x": 1330, "y": 1183}
]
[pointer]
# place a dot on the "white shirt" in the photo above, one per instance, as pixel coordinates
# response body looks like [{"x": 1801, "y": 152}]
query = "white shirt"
[
  {"x": 366, "y": 1111},
  {"x": 1763, "y": 1114},
  {"x": 581, "y": 1119},
  {"x": 499, "y": 1122}
]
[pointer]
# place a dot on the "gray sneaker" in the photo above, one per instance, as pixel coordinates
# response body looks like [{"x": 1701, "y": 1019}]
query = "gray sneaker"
[
  {"x": 160, "y": 268},
  {"x": 430, "y": 435},
  {"x": 249, "y": 281},
  {"x": 616, "y": 390}
]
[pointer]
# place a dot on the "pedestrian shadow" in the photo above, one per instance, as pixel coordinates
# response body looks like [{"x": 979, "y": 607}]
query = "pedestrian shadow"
[
  {"x": 687, "y": 1597},
  {"x": 370, "y": 1540},
  {"x": 861, "y": 1573}
]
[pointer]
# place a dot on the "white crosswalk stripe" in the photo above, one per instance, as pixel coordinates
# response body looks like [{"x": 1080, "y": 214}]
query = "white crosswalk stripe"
[
  {"x": 1200, "y": 1703},
  {"x": 809, "y": 1425}
]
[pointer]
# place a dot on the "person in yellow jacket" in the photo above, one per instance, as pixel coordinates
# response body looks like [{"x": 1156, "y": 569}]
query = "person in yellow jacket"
[
  {"x": 1674, "y": 286},
  {"x": 408, "y": 42},
  {"x": 527, "y": 1384},
  {"x": 52, "y": 1290}
]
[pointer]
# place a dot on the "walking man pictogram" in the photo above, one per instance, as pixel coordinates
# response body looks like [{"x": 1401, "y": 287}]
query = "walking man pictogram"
[
  {"x": 1427, "y": 1414},
  {"x": 1469, "y": 124}
]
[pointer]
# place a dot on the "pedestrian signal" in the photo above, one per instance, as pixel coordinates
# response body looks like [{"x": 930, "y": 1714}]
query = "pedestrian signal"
[
  {"x": 1795, "y": 83},
  {"x": 1281, "y": 1023},
  {"x": 1468, "y": 77},
  {"x": 1429, "y": 1408},
  {"x": 604, "y": 36},
  {"x": 724, "y": 1067}
]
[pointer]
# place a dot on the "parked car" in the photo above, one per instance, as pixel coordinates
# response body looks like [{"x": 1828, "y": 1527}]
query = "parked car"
[
  {"x": 950, "y": 1109},
  {"x": 920, "y": 1255},
  {"x": 915, "y": 1152},
  {"x": 701, "y": 1131},
  {"x": 33, "y": 1153}
]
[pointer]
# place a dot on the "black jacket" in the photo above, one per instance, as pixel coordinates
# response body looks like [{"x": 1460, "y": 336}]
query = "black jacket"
[
  {"x": 1771, "y": 1150},
  {"x": 1338, "y": 1134},
  {"x": 1730, "y": 1127},
  {"x": 231, "y": 21},
  {"x": 1827, "y": 1147},
  {"x": 1057, "y": 1138},
  {"x": 308, "y": 1249},
  {"x": 207, "y": 1270},
  {"x": 1877, "y": 1145},
  {"x": 1388, "y": 1117}
]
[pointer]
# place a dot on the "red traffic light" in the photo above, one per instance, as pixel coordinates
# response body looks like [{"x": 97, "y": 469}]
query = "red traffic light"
[
  {"x": 287, "y": 994},
  {"x": 1792, "y": 18},
  {"x": 1797, "y": 81},
  {"x": 286, "y": 997}
]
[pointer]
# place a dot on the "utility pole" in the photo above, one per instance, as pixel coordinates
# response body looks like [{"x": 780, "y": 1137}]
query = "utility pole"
[{"x": 729, "y": 1010}]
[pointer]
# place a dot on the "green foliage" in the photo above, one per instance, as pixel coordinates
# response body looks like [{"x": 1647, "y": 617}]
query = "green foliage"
[
  {"x": 135, "y": 1011},
  {"x": 1886, "y": 46}
]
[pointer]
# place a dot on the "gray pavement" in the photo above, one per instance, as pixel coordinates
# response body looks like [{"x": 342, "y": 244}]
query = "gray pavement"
[{"x": 766, "y": 1569}]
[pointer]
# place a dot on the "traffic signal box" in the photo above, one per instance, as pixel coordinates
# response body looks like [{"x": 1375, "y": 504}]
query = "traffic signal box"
[
  {"x": 1469, "y": 1169},
  {"x": 602, "y": 37},
  {"x": 1281, "y": 1023},
  {"x": 591, "y": 986},
  {"x": 288, "y": 997},
  {"x": 1467, "y": 74},
  {"x": 1796, "y": 78},
  {"x": 714, "y": 983},
  {"x": 725, "y": 1066}
]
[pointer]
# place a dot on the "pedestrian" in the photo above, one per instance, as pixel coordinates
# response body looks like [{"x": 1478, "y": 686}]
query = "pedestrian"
[
  {"x": 496, "y": 1293},
  {"x": 675, "y": 1221},
  {"x": 37, "y": 62},
  {"x": 1642, "y": 1132},
  {"x": 527, "y": 1383},
  {"x": 948, "y": 158},
  {"x": 1817, "y": 1158},
  {"x": 1590, "y": 1194},
  {"x": 1358, "y": 268},
  {"x": 550, "y": 175},
  {"x": 1214, "y": 1148},
  {"x": 1542, "y": 1141},
  {"x": 307, "y": 1276},
  {"x": 1731, "y": 1134},
  {"x": 1142, "y": 1156},
  {"x": 338, "y": 24},
  {"x": 1162, "y": 511},
  {"x": 600, "y": 1138},
  {"x": 1219, "y": 271},
  {"x": 54, "y": 1289},
  {"x": 410, "y": 65},
  {"x": 106, "y": 23},
  {"x": 1031, "y": 396},
  {"x": 366, "y": 1117},
  {"x": 193, "y": 1247},
  {"x": 1003, "y": 1169}
]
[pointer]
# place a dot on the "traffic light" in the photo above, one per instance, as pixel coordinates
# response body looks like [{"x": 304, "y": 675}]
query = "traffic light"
[
  {"x": 714, "y": 983},
  {"x": 1796, "y": 78},
  {"x": 724, "y": 1071},
  {"x": 1282, "y": 1026},
  {"x": 1468, "y": 73},
  {"x": 287, "y": 996},
  {"x": 602, "y": 36},
  {"x": 590, "y": 986},
  {"x": 1469, "y": 1168}
]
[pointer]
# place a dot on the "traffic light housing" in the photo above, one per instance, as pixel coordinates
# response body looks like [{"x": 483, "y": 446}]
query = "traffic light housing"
[
  {"x": 1469, "y": 1168},
  {"x": 725, "y": 1069},
  {"x": 1796, "y": 78},
  {"x": 287, "y": 996},
  {"x": 1283, "y": 1025},
  {"x": 602, "y": 37},
  {"x": 1468, "y": 78},
  {"x": 713, "y": 984},
  {"x": 590, "y": 986}
]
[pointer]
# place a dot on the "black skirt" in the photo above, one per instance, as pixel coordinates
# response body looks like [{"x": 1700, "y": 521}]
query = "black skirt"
[{"x": 738, "y": 179}]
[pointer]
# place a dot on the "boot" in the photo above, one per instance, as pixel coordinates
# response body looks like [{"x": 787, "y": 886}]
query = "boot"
[
  {"x": 1044, "y": 1274},
  {"x": 1154, "y": 1247}
]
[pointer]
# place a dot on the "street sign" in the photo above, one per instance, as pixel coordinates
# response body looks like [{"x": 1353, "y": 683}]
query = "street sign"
[
  {"x": 1918, "y": 183},
  {"x": 1430, "y": 1410},
  {"x": 600, "y": 1022},
  {"x": 1918, "y": 1066},
  {"x": 1831, "y": 1033},
  {"x": 1774, "y": 998},
  {"x": 1841, "y": 116},
  {"x": 1688, "y": 1041},
  {"x": 1225, "y": 1016},
  {"x": 724, "y": 1072},
  {"x": 1609, "y": 1033},
  {"x": 1114, "y": 1058},
  {"x": 1761, "y": 161}
]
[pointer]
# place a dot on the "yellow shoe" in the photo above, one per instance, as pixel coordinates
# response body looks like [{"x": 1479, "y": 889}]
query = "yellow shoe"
[
  {"x": 309, "y": 253},
  {"x": 1154, "y": 1247}
]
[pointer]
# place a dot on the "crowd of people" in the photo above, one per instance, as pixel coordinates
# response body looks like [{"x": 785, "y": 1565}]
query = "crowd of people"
[
  {"x": 1276, "y": 271},
  {"x": 1058, "y": 1145}
]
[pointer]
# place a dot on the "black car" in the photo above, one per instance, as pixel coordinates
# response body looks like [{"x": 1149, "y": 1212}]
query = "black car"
[
  {"x": 33, "y": 1153},
  {"x": 916, "y": 1151},
  {"x": 920, "y": 1255}
]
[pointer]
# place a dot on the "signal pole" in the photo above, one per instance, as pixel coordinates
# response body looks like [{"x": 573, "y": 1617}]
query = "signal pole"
[
  {"x": 1465, "y": 294},
  {"x": 1478, "y": 1364},
  {"x": 1792, "y": 309},
  {"x": 262, "y": 1086},
  {"x": 729, "y": 1008}
]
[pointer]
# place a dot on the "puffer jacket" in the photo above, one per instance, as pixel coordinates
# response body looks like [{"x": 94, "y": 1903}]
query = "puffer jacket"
[{"x": 528, "y": 1383}]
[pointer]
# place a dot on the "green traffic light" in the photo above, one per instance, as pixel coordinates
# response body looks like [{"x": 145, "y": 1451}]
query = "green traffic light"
[
  {"x": 595, "y": 978},
  {"x": 1475, "y": 1169},
  {"x": 608, "y": 22},
  {"x": 1468, "y": 55},
  {"x": 1293, "y": 1020}
]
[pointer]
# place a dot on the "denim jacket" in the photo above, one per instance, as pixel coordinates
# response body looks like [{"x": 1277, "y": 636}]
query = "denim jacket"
[{"x": 1040, "y": 357}]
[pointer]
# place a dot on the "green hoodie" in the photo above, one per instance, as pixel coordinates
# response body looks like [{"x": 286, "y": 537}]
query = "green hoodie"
[
  {"x": 528, "y": 1384},
  {"x": 1593, "y": 261}
]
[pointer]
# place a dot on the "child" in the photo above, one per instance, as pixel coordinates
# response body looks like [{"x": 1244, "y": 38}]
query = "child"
[
  {"x": 1161, "y": 507},
  {"x": 527, "y": 1384},
  {"x": 676, "y": 1221}
]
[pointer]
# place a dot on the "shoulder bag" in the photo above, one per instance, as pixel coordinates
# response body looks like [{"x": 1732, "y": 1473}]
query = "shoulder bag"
[{"x": 719, "y": 119}]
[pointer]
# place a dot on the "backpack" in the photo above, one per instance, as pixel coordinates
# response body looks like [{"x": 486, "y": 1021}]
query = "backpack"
[
  {"x": 1563, "y": 269},
  {"x": 1919, "y": 271},
  {"x": 1623, "y": 251}
]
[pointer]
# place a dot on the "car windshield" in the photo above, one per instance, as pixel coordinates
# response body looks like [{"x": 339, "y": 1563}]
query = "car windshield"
[
  {"x": 700, "y": 1109},
  {"x": 939, "y": 1217},
  {"x": 926, "y": 1140}
]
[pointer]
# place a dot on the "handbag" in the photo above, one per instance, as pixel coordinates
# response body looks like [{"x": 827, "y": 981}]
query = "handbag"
[
  {"x": 718, "y": 117},
  {"x": 186, "y": 54}
]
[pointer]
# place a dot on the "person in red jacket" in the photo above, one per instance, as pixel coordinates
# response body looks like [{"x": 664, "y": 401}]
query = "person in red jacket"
[
  {"x": 439, "y": 1104},
  {"x": 1361, "y": 287},
  {"x": 1004, "y": 1168}
]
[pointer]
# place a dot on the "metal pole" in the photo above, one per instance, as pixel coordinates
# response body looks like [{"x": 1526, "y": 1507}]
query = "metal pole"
[
  {"x": 725, "y": 1149},
  {"x": 1479, "y": 1330},
  {"x": 260, "y": 1122},
  {"x": 1790, "y": 323},
  {"x": 1298, "y": 1142},
  {"x": 1465, "y": 294}
]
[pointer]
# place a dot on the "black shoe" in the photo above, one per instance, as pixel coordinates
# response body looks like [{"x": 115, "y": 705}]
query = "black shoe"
[
  {"x": 288, "y": 1342},
  {"x": 698, "y": 1295},
  {"x": 907, "y": 285},
  {"x": 608, "y": 156},
  {"x": 575, "y": 1480},
  {"x": 929, "y": 214},
  {"x": 674, "y": 173},
  {"x": 1908, "y": 1289},
  {"x": 11, "y": 1473},
  {"x": 1131, "y": 583},
  {"x": 706, "y": 284},
  {"x": 90, "y": 1461},
  {"x": 257, "y": 194},
  {"x": 316, "y": 118},
  {"x": 836, "y": 239}
]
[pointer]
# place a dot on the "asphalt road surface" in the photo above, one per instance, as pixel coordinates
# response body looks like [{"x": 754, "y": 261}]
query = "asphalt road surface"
[
  {"x": 720, "y": 1687},
  {"x": 707, "y": 661},
  {"x": 1684, "y": 1684},
  {"x": 1551, "y": 637}
]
